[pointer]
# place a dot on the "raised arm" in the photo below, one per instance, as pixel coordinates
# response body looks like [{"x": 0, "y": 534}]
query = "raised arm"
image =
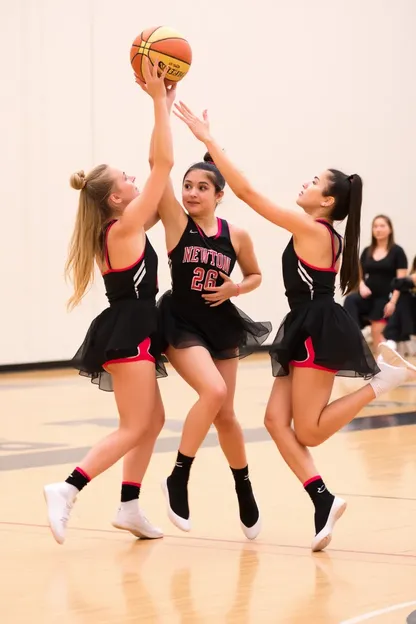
[
  {"x": 170, "y": 210},
  {"x": 144, "y": 207},
  {"x": 294, "y": 222}
]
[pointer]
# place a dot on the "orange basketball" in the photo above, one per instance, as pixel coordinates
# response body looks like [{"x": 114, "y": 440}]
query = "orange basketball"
[{"x": 168, "y": 45}]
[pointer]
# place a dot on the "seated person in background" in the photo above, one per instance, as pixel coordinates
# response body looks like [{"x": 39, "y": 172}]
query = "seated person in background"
[
  {"x": 381, "y": 262},
  {"x": 402, "y": 324}
]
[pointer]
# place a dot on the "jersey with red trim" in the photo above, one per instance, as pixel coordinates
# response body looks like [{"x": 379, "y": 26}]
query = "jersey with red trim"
[
  {"x": 138, "y": 281},
  {"x": 304, "y": 282},
  {"x": 197, "y": 260}
]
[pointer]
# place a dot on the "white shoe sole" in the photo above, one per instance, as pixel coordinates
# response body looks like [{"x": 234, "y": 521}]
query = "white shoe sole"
[
  {"x": 134, "y": 531},
  {"x": 60, "y": 540},
  {"x": 251, "y": 532},
  {"x": 324, "y": 537},
  {"x": 390, "y": 356},
  {"x": 180, "y": 523}
]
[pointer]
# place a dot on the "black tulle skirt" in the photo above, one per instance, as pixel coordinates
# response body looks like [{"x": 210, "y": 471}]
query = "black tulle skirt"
[
  {"x": 337, "y": 341},
  {"x": 115, "y": 335},
  {"x": 225, "y": 331}
]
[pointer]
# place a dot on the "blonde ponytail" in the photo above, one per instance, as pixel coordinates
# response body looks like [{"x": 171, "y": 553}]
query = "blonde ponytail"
[{"x": 92, "y": 216}]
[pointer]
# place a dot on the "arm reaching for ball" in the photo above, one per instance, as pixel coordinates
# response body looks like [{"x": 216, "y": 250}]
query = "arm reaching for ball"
[
  {"x": 170, "y": 210},
  {"x": 297, "y": 224}
]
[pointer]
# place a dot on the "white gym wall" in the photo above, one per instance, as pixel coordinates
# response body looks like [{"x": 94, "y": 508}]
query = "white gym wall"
[{"x": 292, "y": 87}]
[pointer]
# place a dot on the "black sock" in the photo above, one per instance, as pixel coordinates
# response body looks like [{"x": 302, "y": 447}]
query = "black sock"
[
  {"x": 178, "y": 485},
  {"x": 249, "y": 512},
  {"x": 322, "y": 500},
  {"x": 78, "y": 478},
  {"x": 182, "y": 469},
  {"x": 129, "y": 491}
]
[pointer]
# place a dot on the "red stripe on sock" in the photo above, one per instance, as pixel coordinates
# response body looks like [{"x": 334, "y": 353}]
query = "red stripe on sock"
[
  {"x": 131, "y": 483},
  {"x": 312, "y": 480},
  {"x": 83, "y": 473}
]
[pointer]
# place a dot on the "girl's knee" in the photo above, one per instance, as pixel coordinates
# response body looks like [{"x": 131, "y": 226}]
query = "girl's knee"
[
  {"x": 308, "y": 436},
  {"x": 215, "y": 394},
  {"x": 279, "y": 429},
  {"x": 225, "y": 418},
  {"x": 157, "y": 423},
  {"x": 270, "y": 420}
]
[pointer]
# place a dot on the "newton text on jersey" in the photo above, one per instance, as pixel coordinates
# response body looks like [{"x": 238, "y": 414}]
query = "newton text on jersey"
[{"x": 207, "y": 256}]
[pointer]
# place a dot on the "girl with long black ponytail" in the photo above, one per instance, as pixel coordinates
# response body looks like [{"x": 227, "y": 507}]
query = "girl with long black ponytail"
[{"x": 318, "y": 339}]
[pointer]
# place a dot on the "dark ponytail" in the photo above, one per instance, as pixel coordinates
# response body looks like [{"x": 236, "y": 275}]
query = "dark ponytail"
[
  {"x": 348, "y": 193},
  {"x": 208, "y": 165}
]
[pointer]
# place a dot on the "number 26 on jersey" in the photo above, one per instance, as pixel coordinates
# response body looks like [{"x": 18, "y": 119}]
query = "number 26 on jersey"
[{"x": 202, "y": 279}]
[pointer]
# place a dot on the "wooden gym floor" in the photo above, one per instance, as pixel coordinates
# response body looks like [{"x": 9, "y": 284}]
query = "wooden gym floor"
[{"x": 213, "y": 574}]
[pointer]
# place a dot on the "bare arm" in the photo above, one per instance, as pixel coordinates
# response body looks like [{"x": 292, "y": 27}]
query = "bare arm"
[
  {"x": 169, "y": 209},
  {"x": 142, "y": 210},
  {"x": 155, "y": 218},
  {"x": 247, "y": 261},
  {"x": 297, "y": 223}
]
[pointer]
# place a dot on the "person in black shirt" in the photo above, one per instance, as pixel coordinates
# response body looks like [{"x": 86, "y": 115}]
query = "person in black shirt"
[
  {"x": 318, "y": 339},
  {"x": 381, "y": 262}
]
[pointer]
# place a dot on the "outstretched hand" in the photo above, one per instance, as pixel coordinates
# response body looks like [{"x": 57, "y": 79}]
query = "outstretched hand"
[
  {"x": 153, "y": 84},
  {"x": 199, "y": 127}
]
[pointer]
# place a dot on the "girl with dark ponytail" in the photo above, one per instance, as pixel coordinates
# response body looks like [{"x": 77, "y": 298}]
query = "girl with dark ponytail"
[{"x": 318, "y": 339}]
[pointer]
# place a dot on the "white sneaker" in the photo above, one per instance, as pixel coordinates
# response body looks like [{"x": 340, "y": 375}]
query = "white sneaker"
[
  {"x": 323, "y": 538},
  {"x": 389, "y": 377},
  {"x": 392, "y": 344},
  {"x": 251, "y": 532},
  {"x": 184, "y": 524},
  {"x": 60, "y": 498},
  {"x": 390, "y": 356},
  {"x": 130, "y": 517}
]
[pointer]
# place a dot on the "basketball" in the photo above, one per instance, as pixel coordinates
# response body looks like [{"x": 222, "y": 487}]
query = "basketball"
[{"x": 168, "y": 45}]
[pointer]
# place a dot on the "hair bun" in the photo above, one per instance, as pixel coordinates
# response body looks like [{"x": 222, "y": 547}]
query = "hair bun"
[
  {"x": 208, "y": 158},
  {"x": 78, "y": 181}
]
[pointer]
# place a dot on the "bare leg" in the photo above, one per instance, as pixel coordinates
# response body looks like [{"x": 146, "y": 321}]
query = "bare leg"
[
  {"x": 134, "y": 386},
  {"x": 314, "y": 420},
  {"x": 230, "y": 433},
  {"x": 129, "y": 516},
  {"x": 197, "y": 368},
  {"x": 278, "y": 421},
  {"x": 137, "y": 460},
  {"x": 231, "y": 438}
]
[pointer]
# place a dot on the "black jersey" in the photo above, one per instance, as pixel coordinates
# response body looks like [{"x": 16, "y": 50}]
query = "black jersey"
[
  {"x": 302, "y": 281},
  {"x": 318, "y": 332},
  {"x": 186, "y": 319},
  {"x": 196, "y": 261},
  {"x": 117, "y": 334},
  {"x": 138, "y": 281}
]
